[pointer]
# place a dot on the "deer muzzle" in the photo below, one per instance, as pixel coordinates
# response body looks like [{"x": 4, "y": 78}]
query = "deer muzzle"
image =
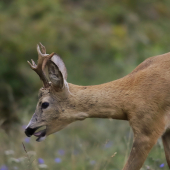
[
  {"x": 30, "y": 131},
  {"x": 33, "y": 131}
]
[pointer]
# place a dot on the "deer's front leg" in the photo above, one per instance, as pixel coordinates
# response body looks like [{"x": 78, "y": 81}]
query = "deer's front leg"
[
  {"x": 145, "y": 137},
  {"x": 140, "y": 149}
]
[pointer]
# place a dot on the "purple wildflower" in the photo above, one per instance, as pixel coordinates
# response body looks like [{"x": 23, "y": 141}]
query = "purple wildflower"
[
  {"x": 61, "y": 152},
  {"x": 92, "y": 162},
  {"x": 57, "y": 160},
  {"x": 27, "y": 140},
  {"x": 4, "y": 167},
  {"x": 162, "y": 165},
  {"x": 108, "y": 144},
  {"x": 40, "y": 161}
]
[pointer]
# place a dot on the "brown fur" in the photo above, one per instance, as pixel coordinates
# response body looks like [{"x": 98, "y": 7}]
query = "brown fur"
[{"x": 142, "y": 98}]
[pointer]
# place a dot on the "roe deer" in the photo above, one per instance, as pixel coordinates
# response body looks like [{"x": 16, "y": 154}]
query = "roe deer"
[{"x": 142, "y": 97}]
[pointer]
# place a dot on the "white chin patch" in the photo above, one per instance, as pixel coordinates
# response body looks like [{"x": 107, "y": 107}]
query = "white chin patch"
[{"x": 41, "y": 139}]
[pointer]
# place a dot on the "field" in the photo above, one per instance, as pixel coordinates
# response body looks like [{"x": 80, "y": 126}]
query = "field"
[
  {"x": 97, "y": 144},
  {"x": 99, "y": 41}
]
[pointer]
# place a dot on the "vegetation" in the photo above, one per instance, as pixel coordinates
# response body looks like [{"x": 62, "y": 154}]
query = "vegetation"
[{"x": 99, "y": 41}]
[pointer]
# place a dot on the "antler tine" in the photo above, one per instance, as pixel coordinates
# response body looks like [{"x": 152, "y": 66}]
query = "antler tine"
[
  {"x": 42, "y": 60},
  {"x": 39, "y": 52},
  {"x": 43, "y": 49}
]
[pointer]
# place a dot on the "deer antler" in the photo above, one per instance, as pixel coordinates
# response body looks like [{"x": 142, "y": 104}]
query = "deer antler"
[
  {"x": 42, "y": 60},
  {"x": 43, "y": 49}
]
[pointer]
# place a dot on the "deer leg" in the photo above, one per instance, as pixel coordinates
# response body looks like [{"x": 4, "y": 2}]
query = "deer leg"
[
  {"x": 166, "y": 143},
  {"x": 141, "y": 147}
]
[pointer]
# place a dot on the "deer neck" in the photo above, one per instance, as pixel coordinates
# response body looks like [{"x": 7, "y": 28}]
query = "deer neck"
[{"x": 99, "y": 101}]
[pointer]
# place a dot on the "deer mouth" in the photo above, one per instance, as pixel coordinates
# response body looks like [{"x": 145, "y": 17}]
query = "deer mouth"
[{"x": 40, "y": 133}]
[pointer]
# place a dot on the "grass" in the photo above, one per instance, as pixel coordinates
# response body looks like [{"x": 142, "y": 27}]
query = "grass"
[{"x": 95, "y": 144}]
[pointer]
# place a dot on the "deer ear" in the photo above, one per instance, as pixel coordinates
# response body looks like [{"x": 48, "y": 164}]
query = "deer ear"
[
  {"x": 55, "y": 75},
  {"x": 59, "y": 62}
]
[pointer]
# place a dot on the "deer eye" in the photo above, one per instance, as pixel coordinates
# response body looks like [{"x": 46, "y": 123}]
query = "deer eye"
[{"x": 44, "y": 105}]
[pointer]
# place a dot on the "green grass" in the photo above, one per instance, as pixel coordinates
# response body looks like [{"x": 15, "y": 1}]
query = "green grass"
[{"x": 95, "y": 144}]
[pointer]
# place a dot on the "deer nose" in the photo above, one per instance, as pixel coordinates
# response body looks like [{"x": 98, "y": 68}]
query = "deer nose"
[{"x": 29, "y": 131}]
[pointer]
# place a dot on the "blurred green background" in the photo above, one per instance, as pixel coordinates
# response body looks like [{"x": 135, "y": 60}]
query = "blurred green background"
[{"x": 99, "y": 41}]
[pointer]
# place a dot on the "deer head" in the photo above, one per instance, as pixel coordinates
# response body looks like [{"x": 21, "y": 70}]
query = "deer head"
[{"x": 53, "y": 109}]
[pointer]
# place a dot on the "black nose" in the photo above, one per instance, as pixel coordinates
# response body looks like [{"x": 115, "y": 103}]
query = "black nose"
[{"x": 29, "y": 131}]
